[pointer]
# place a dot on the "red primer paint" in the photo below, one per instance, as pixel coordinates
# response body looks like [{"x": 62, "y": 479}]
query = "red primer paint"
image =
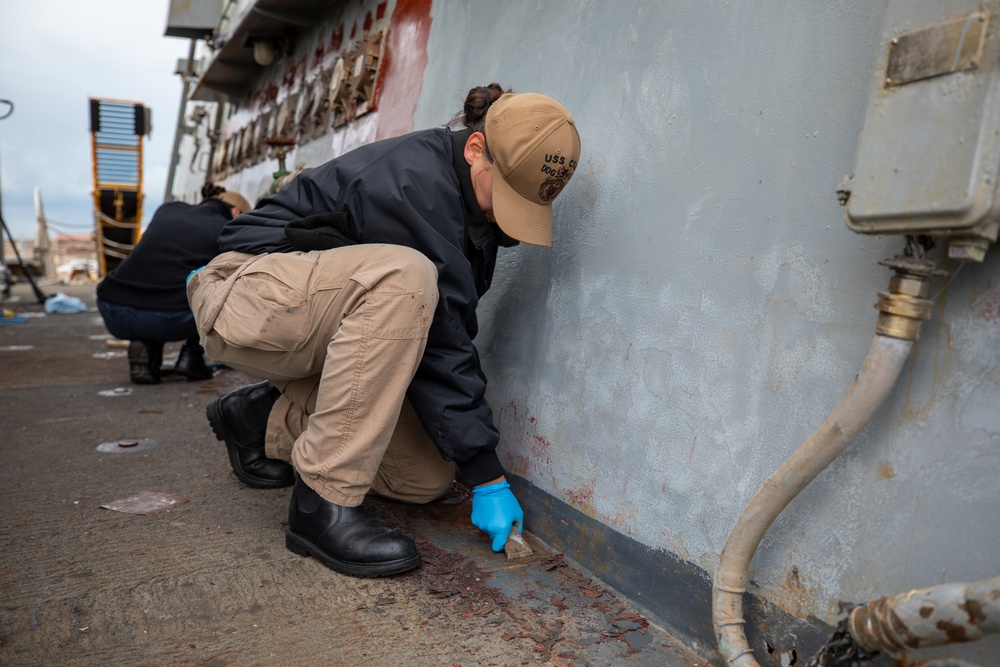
[
  {"x": 583, "y": 497},
  {"x": 523, "y": 428},
  {"x": 369, "y": 20},
  {"x": 520, "y": 464},
  {"x": 987, "y": 307},
  {"x": 540, "y": 448},
  {"x": 337, "y": 39},
  {"x": 402, "y": 68},
  {"x": 380, "y": 11},
  {"x": 288, "y": 78},
  {"x": 354, "y": 31},
  {"x": 269, "y": 95}
]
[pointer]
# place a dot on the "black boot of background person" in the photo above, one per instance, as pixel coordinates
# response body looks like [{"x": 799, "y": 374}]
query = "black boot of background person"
[
  {"x": 345, "y": 539},
  {"x": 144, "y": 359},
  {"x": 191, "y": 362},
  {"x": 240, "y": 419}
]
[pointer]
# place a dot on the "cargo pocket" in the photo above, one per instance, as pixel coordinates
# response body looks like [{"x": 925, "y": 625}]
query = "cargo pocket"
[{"x": 264, "y": 310}]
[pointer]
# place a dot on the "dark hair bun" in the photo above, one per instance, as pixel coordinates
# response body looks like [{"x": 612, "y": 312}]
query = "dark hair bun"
[
  {"x": 477, "y": 104},
  {"x": 211, "y": 190}
]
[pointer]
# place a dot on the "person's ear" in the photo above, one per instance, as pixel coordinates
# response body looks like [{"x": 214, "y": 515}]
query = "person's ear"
[
  {"x": 475, "y": 145},
  {"x": 234, "y": 211}
]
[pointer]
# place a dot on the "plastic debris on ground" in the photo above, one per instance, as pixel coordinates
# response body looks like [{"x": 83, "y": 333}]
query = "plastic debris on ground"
[
  {"x": 117, "y": 391},
  {"x": 61, "y": 303}
]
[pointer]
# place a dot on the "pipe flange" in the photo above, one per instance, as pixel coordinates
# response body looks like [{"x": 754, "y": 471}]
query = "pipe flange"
[{"x": 913, "y": 266}]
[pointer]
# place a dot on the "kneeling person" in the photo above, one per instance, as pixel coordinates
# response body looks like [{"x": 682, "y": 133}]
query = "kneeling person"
[{"x": 353, "y": 293}]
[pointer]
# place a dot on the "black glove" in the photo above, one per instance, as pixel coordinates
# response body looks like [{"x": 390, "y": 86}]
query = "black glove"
[{"x": 322, "y": 231}]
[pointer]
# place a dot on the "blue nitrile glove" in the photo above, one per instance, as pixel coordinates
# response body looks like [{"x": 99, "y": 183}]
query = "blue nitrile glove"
[
  {"x": 495, "y": 510},
  {"x": 191, "y": 275}
]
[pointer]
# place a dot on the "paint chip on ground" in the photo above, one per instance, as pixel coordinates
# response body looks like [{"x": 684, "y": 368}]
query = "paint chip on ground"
[{"x": 147, "y": 503}]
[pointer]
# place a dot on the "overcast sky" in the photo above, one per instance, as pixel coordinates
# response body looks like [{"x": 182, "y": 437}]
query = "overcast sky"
[{"x": 54, "y": 56}]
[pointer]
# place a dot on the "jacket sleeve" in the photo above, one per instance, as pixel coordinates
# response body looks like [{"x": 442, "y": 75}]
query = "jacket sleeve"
[{"x": 262, "y": 230}]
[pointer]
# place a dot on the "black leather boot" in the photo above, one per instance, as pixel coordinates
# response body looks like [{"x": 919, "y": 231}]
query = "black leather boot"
[
  {"x": 240, "y": 419},
  {"x": 144, "y": 359},
  {"x": 345, "y": 539},
  {"x": 191, "y": 362}
]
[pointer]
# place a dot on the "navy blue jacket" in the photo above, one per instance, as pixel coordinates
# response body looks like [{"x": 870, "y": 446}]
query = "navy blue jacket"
[{"x": 414, "y": 191}]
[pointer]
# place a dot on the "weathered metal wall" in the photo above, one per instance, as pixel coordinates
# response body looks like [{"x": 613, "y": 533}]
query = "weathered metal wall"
[{"x": 704, "y": 306}]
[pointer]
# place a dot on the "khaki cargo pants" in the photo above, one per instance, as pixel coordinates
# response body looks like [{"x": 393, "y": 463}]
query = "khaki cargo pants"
[{"x": 340, "y": 333}]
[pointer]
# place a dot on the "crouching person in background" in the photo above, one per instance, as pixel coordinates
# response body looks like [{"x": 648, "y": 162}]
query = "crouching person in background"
[{"x": 143, "y": 300}]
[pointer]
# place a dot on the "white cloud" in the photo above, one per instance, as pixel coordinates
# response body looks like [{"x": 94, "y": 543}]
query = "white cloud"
[{"x": 54, "y": 55}]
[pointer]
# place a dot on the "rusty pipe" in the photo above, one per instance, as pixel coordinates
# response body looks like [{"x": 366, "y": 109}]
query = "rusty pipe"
[
  {"x": 943, "y": 614},
  {"x": 902, "y": 310}
]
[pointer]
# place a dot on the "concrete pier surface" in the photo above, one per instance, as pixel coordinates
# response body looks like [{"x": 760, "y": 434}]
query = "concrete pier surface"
[{"x": 203, "y": 577}]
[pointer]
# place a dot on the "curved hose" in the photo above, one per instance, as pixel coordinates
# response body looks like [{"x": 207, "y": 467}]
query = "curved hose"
[{"x": 876, "y": 379}]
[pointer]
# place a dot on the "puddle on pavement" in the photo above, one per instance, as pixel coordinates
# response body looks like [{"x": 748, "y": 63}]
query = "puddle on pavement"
[{"x": 126, "y": 445}]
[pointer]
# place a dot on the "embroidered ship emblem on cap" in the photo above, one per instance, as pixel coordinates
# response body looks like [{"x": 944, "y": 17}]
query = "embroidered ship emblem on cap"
[{"x": 553, "y": 185}]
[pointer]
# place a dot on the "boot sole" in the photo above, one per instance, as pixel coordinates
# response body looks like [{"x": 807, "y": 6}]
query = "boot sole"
[
  {"x": 303, "y": 546},
  {"x": 222, "y": 433}
]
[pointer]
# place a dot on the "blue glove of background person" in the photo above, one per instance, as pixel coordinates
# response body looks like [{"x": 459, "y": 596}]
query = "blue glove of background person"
[{"x": 495, "y": 510}]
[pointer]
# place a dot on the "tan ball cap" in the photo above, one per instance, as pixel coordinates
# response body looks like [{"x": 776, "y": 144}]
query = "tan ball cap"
[
  {"x": 236, "y": 200},
  {"x": 535, "y": 149}
]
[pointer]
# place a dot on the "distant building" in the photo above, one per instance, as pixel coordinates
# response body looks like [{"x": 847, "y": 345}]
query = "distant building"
[
  {"x": 69, "y": 251},
  {"x": 26, "y": 250}
]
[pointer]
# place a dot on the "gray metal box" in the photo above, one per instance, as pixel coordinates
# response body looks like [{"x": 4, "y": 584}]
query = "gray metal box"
[
  {"x": 193, "y": 19},
  {"x": 928, "y": 155}
]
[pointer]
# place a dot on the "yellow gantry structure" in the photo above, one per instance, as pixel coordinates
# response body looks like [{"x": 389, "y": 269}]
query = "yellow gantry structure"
[{"x": 117, "y": 128}]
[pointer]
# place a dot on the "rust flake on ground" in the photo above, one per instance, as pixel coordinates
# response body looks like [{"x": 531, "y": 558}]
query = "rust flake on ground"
[{"x": 562, "y": 613}]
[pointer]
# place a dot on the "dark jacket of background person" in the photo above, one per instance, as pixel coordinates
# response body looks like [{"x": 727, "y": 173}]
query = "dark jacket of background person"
[
  {"x": 412, "y": 191},
  {"x": 180, "y": 238}
]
